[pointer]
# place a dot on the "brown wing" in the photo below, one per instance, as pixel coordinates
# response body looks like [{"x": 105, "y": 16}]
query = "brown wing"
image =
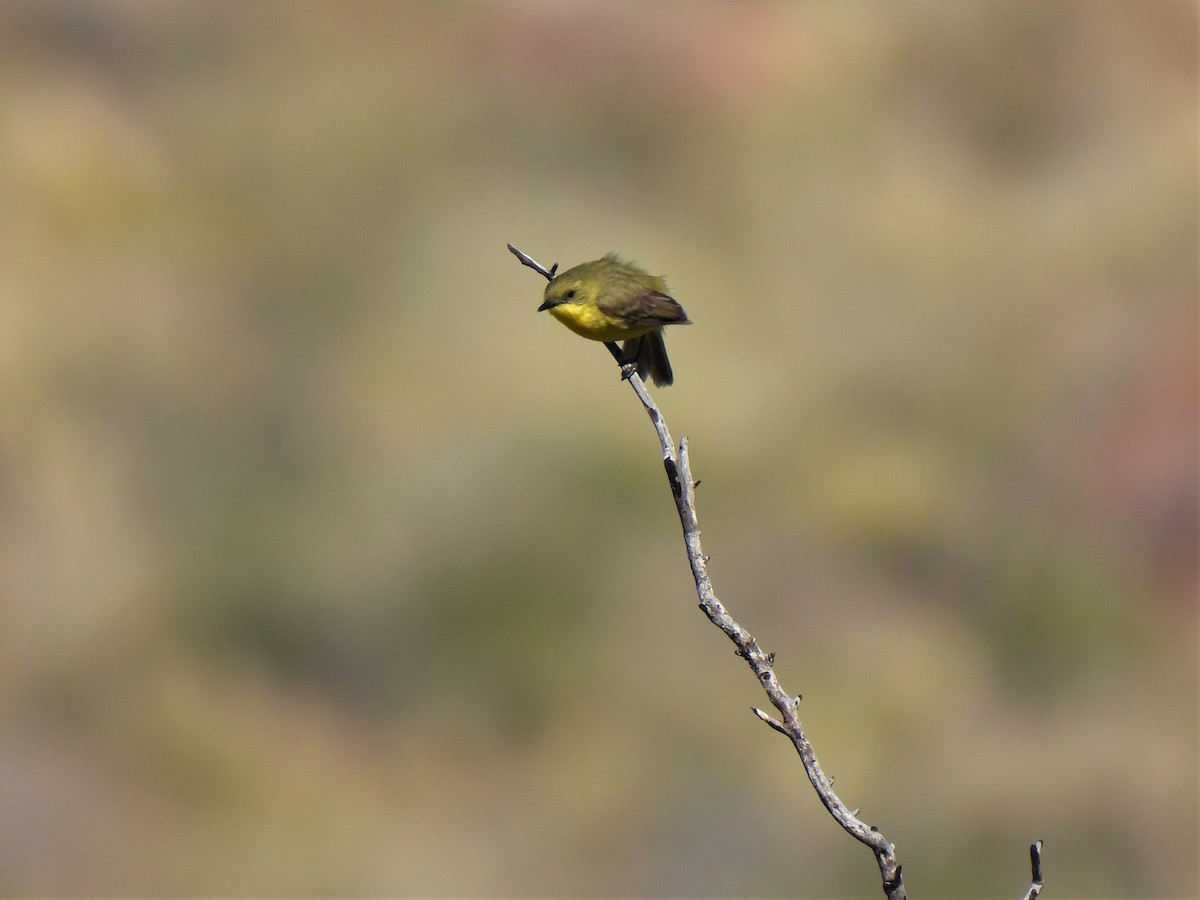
[{"x": 648, "y": 310}]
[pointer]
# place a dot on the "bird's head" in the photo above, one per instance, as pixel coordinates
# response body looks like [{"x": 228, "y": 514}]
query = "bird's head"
[{"x": 566, "y": 289}]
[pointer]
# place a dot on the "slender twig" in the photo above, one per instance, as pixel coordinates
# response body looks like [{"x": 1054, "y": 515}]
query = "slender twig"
[
  {"x": 527, "y": 260},
  {"x": 683, "y": 489}
]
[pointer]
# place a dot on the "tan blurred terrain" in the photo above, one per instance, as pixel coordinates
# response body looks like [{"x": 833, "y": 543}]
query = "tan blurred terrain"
[{"x": 328, "y": 566}]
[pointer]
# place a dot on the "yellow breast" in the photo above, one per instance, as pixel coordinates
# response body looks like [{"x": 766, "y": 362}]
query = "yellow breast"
[{"x": 588, "y": 321}]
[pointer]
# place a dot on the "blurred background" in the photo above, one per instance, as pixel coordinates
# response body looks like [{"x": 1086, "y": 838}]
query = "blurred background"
[{"x": 329, "y": 566}]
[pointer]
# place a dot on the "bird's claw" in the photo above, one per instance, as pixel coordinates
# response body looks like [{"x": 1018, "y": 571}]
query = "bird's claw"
[{"x": 628, "y": 370}]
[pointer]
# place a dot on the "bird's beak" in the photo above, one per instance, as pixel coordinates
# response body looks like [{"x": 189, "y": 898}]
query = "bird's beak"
[{"x": 549, "y": 304}]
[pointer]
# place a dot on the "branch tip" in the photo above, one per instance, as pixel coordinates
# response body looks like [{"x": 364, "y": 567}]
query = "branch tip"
[
  {"x": 1035, "y": 860},
  {"x": 527, "y": 260}
]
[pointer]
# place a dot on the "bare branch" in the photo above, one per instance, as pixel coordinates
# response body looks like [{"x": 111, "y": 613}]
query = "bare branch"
[{"x": 683, "y": 489}]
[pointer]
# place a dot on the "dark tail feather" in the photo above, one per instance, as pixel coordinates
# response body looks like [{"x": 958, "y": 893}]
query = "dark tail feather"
[{"x": 652, "y": 359}]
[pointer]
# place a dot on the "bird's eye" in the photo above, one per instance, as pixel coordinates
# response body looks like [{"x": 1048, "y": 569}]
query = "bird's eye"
[{"x": 570, "y": 295}]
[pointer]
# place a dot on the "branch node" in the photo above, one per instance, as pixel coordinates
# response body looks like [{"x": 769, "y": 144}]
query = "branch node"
[{"x": 893, "y": 885}]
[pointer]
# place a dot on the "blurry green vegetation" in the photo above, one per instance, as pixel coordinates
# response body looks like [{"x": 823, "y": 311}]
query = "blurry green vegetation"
[{"x": 331, "y": 567}]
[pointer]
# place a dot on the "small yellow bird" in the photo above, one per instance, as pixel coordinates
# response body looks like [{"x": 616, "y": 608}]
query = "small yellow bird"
[{"x": 611, "y": 300}]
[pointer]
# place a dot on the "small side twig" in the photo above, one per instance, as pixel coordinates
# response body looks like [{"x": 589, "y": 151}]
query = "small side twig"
[{"x": 683, "y": 489}]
